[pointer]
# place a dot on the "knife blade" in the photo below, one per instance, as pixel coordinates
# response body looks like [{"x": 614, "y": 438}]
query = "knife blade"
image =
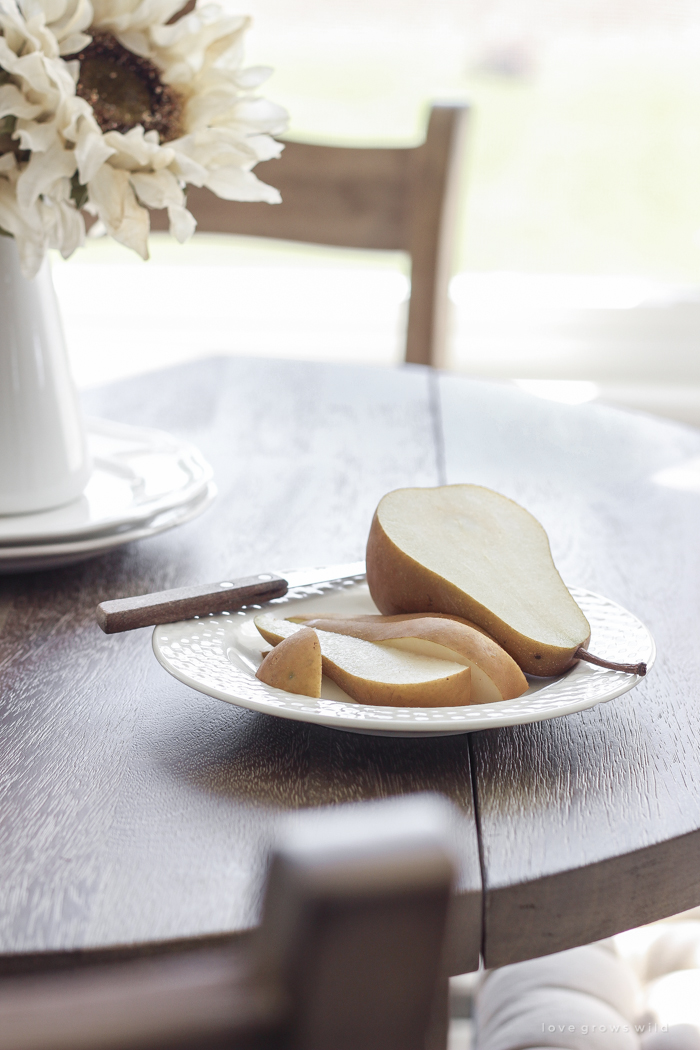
[{"x": 184, "y": 603}]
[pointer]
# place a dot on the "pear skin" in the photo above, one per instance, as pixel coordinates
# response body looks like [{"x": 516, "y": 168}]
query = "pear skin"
[
  {"x": 379, "y": 674},
  {"x": 495, "y": 674},
  {"x": 466, "y": 551},
  {"x": 294, "y": 664}
]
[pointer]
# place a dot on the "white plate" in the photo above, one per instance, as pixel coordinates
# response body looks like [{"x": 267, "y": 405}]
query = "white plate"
[
  {"x": 218, "y": 655},
  {"x": 138, "y": 473},
  {"x": 53, "y": 555}
]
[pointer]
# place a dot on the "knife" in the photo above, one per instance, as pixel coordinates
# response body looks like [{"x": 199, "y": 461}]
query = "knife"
[{"x": 184, "y": 603}]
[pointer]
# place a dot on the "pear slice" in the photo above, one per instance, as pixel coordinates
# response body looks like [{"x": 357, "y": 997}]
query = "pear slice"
[
  {"x": 467, "y": 551},
  {"x": 495, "y": 674},
  {"x": 379, "y": 674},
  {"x": 294, "y": 665},
  {"x": 398, "y": 617}
]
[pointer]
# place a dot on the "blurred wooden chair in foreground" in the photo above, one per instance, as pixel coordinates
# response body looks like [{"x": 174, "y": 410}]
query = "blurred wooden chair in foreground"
[
  {"x": 347, "y": 957},
  {"x": 389, "y": 199}
]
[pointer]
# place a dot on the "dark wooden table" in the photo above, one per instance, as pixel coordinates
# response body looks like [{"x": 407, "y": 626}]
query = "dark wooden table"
[{"x": 135, "y": 812}]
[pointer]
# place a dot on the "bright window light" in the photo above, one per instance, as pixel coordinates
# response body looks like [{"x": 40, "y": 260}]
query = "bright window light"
[
  {"x": 566, "y": 391},
  {"x": 684, "y": 477},
  {"x": 675, "y": 998},
  {"x": 498, "y": 292}
]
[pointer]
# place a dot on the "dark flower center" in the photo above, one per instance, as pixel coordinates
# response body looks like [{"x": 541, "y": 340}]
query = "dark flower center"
[{"x": 125, "y": 89}]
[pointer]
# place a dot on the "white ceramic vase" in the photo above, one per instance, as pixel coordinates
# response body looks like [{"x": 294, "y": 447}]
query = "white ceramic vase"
[{"x": 44, "y": 461}]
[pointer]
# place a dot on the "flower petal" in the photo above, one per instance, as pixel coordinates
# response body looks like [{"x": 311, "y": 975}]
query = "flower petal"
[
  {"x": 253, "y": 77},
  {"x": 233, "y": 184},
  {"x": 157, "y": 190},
  {"x": 26, "y": 228},
  {"x": 133, "y": 150},
  {"x": 42, "y": 171},
  {"x": 91, "y": 152},
  {"x": 106, "y": 192},
  {"x": 37, "y": 136},
  {"x": 115, "y": 203},
  {"x": 14, "y": 103},
  {"x": 182, "y": 223},
  {"x": 265, "y": 146},
  {"x": 70, "y": 45}
]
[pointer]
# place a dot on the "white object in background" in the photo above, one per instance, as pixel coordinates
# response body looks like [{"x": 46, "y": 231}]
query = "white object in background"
[
  {"x": 582, "y": 999},
  {"x": 672, "y": 1037},
  {"x": 684, "y": 476},
  {"x": 44, "y": 460},
  {"x": 675, "y": 947},
  {"x": 667, "y": 957},
  {"x": 675, "y": 998}
]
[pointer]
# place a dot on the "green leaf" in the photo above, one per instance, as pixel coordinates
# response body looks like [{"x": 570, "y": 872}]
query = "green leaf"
[
  {"x": 7, "y": 124},
  {"x": 78, "y": 192}
]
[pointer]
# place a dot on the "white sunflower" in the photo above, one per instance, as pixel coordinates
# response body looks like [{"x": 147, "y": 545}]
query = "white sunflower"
[{"x": 106, "y": 105}]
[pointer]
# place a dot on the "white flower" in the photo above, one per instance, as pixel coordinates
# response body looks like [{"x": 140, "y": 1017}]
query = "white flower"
[{"x": 106, "y": 104}]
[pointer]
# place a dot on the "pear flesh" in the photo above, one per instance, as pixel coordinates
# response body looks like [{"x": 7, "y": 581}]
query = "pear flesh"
[
  {"x": 466, "y": 551},
  {"x": 495, "y": 675},
  {"x": 398, "y": 617},
  {"x": 294, "y": 665},
  {"x": 379, "y": 674}
]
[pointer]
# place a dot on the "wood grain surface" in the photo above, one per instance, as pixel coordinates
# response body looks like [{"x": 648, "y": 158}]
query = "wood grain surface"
[
  {"x": 135, "y": 810},
  {"x": 590, "y": 824}
]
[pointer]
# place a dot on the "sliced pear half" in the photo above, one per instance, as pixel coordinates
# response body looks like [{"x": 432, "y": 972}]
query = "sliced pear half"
[
  {"x": 468, "y": 551},
  {"x": 380, "y": 674},
  {"x": 495, "y": 674}
]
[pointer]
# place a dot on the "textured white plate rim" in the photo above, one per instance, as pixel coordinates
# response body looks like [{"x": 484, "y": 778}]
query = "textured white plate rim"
[
  {"x": 152, "y": 441},
  {"x": 596, "y": 685},
  {"x": 161, "y": 522}
]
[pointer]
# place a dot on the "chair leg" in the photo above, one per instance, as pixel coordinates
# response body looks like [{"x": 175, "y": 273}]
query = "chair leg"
[{"x": 436, "y": 1038}]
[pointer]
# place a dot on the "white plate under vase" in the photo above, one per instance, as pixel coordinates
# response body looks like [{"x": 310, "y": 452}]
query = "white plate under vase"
[
  {"x": 218, "y": 655},
  {"x": 138, "y": 472},
  {"x": 143, "y": 482},
  {"x": 40, "y": 556}
]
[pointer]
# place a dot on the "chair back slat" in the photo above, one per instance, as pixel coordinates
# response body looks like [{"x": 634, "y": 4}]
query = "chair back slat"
[
  {"x": 354, "y": 198},
  {"x": 400, "y": 199}
]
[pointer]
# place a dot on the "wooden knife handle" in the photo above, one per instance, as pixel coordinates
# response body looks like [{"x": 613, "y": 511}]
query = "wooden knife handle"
[{"x": 182, "y": 603}]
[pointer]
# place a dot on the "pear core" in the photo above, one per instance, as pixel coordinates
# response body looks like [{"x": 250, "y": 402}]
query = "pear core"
[{"x": 467, "y": 551}]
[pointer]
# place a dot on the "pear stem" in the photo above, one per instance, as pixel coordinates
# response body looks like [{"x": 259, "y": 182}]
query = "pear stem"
[{"x": 583, "y": 654}]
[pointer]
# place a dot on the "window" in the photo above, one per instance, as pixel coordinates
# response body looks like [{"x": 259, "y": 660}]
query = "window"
[{"x": 579, "y": 250}]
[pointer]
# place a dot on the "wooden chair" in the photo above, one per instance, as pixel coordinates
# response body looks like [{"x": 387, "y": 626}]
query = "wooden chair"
[
  {"x": 347, "y": 957},
  {"x": 388, "y": 199}
]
